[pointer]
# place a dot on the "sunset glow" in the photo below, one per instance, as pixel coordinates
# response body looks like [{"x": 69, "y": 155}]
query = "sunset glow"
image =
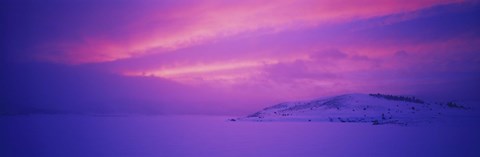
[
  {"x": 222, "y": 78},
  {"x": 158, "y": 52}
]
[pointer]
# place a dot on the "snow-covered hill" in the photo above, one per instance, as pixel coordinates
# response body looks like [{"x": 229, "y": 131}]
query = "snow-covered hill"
[{"x": 368, "y": 108}]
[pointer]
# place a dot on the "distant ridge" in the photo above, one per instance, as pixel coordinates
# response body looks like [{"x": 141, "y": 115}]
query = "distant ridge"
[{"x": 360, "y": 108}]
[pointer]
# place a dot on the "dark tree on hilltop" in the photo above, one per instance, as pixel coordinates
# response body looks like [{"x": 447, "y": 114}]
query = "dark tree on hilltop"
[
  {"x": 398, "y": 98},
  {"x": 455, "y": 105}
]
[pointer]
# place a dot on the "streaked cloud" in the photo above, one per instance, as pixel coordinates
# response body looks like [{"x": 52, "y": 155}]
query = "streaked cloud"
[
  {"x": 226, "y": 56},
  {"x": 184, "y": 25}
]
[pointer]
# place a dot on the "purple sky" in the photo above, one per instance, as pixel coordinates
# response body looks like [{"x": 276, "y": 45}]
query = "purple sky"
[{"x": 231, "y": 57}]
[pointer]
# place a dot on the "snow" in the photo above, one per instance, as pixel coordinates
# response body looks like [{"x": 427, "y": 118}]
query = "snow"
[
  {"x": 140, "y": 135},
  {"x": 375, "y": 109}
]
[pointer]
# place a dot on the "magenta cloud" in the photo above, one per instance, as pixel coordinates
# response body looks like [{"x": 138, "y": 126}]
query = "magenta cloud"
[{"x": 257, "y": 52}]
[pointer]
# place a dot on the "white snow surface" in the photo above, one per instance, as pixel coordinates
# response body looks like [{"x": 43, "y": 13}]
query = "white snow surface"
[
  {"x": 214, "y": 136},
  {"x": 362, "y": 108},
  {"x": 76, "y": 135}
]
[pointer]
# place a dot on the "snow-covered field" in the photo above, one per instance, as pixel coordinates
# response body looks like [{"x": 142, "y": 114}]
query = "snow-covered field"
[{"x": 82, "y": 135}]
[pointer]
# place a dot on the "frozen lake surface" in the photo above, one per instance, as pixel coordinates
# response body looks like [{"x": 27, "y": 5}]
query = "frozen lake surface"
[{"x": 81, "y": 135}]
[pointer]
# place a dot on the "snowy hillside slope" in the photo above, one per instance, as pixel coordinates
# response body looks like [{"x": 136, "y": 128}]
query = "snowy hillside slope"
[{"x": 367, "y": 108}]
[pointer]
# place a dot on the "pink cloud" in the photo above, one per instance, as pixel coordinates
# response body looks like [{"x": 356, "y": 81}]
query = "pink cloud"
[
  {"x": 184, "y": 25},
  {"x": 316, "y": 69}
]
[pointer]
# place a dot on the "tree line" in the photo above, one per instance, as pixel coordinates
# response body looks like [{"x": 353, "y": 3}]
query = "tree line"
[{"x": 398, "y": 98}]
